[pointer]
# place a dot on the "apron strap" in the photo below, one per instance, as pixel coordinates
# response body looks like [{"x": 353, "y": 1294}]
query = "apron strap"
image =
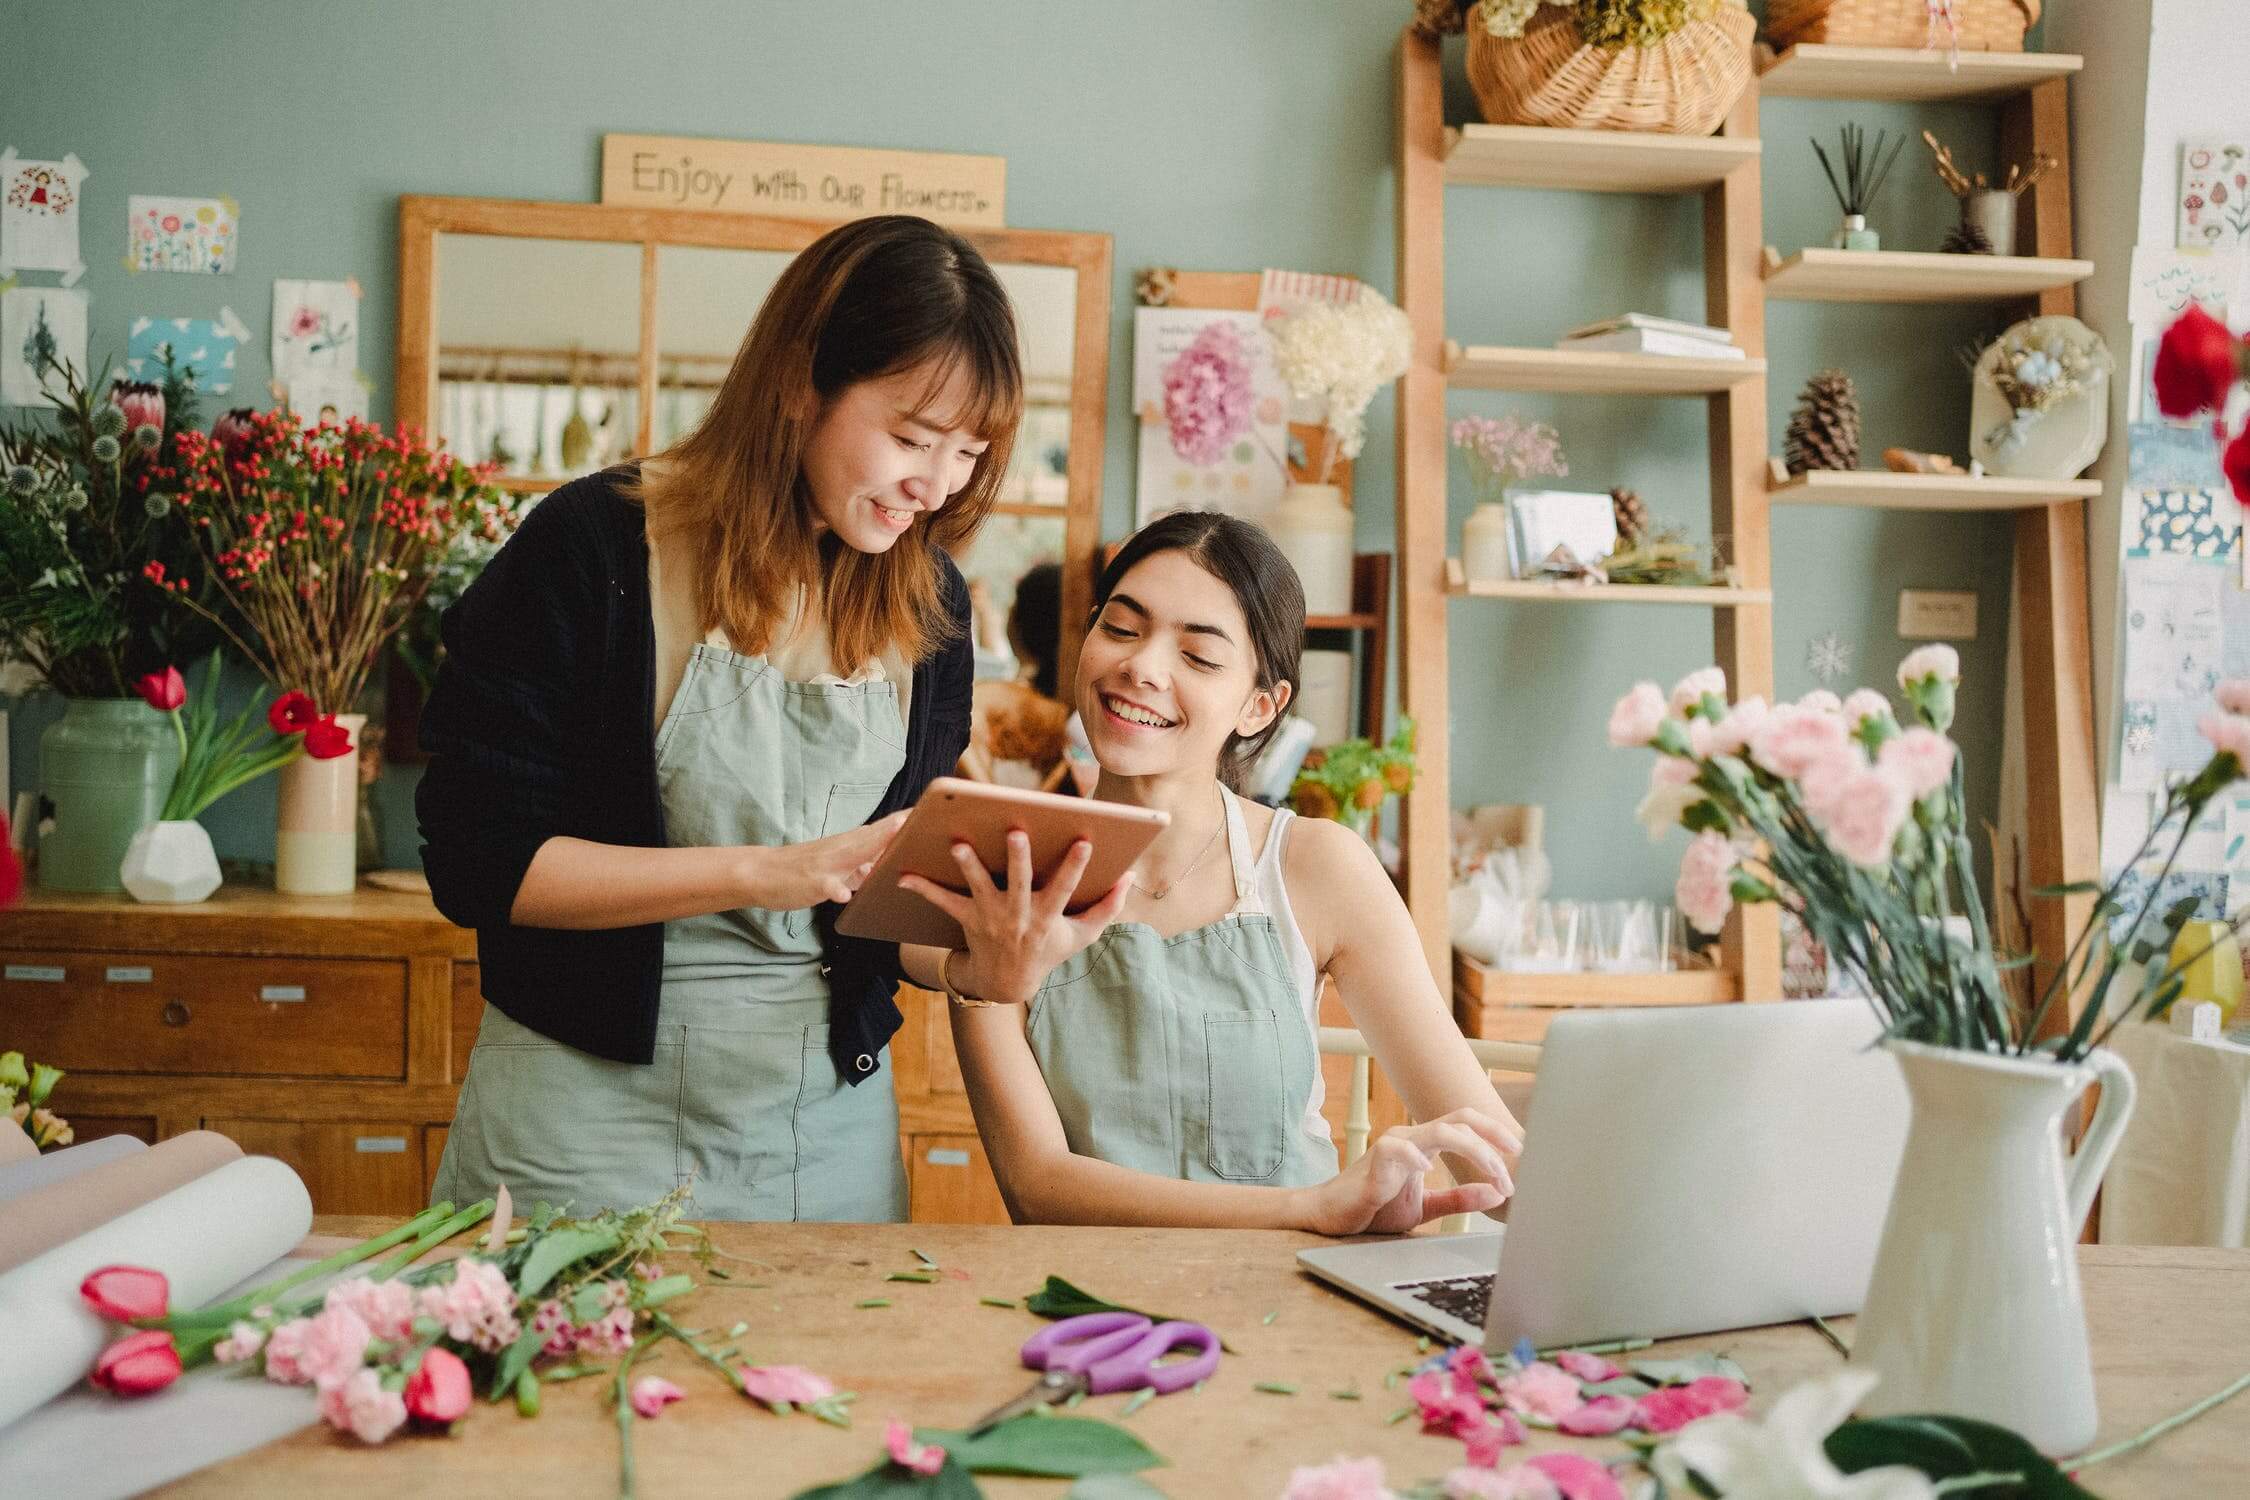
[{"x": 1238, "y": 856}]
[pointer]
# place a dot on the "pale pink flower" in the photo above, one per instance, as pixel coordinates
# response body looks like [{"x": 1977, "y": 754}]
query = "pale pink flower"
[
  {"x": 1823, "y": 782},
  {"x": 1577, "y": 1477},
  {"x": 1941, "y": 662},
  {"x": 1702, "y": 734},
  {"x": 386, "y": 1307},
  {"x": 285, "y": 1347},
  {"x": 335, "y": 1347},
  {"x": 553, "y": 1319},
  {"x": 1866, "y": 703},
  {"x": 242, "y": 1341},
  {"x": 1920, "y": 758},
  {"x": 1673, "y": 1407},
  {"x": 774, "y": 1383},
  {"x": 1468, "y": 1363},
  {"x": 1637, "y": 716},
  {"x": 477, "y": 1306},
  {"x": 1345, "y": 1479},
  {"x": 1690, "y": 691},
  {"x": 1793, "y": 737},
  {"x": 1703, "y": 893},
  {"x": 1484, "y": 1441},
  {"x": 1821, "y": 701},
  {"x": 1865, "y": 815},
  {"x": 1591, "y": 1368},
  {"x": 1519, "y": 1483},
  {"x": 608, "y": 1335},
  {"x": 361, "y": 1407},
  {"x": 1671, "y": 792},
  {"x": 1598, "y": 1418},
  {"x": 652, "y": 1393},
  {"x": 921, "y": 1458},
  {"x": 2234, "y": 695},
  {"x": 2229, "y": 733},
  {"x": 1732, "y": 734},
  {"x": 1448, "y": 1403},
  {"x": 1541, "y": 1390}
]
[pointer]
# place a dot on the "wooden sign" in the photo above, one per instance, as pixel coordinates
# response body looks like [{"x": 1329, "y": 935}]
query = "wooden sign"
[{"x": 803, "y": 182}]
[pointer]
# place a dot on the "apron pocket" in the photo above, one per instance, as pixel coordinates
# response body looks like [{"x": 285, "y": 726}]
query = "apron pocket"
[
  {"x": 735, "y": 1136},
  {"x": 849, "y": 1166},
  {"x": 850, "y": 804},
  {"x": 1247, "y": 1113}
]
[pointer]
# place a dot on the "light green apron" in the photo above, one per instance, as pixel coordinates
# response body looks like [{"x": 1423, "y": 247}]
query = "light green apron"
[
  {"x": 1189, "y": 1056},
  {"x": 741, "y": 1099}
]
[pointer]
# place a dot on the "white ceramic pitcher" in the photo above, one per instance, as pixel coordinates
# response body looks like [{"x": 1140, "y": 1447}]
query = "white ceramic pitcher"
[{"x": 1975, "y": 1308}]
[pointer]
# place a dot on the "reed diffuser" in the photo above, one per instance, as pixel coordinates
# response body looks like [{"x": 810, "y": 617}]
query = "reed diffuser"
[{"x": 1866, "y": 167}]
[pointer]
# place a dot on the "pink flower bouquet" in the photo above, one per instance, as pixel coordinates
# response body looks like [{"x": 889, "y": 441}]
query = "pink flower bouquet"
[{"x": 1854, "y": 819}]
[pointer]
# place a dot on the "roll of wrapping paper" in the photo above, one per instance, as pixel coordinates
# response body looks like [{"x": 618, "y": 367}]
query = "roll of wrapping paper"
[
  {"x": 18, "y": 1178},
  {"x": 207, "y": 1236},
  {"x": 40, "y": 1220},
  {"x": 15, "y": 1145}
]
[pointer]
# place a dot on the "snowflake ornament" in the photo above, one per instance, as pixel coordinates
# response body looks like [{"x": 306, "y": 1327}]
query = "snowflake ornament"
[{"x": 1828, "y": 657}]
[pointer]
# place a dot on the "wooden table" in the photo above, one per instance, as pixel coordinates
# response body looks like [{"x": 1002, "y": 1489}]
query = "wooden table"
[{"x": 2169, "y": 1327}]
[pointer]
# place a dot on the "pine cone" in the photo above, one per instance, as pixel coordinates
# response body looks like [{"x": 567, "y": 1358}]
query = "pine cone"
[
  {"x": 1632, "y": 516},
  {"x": 1967, "y": 238},
  {"x": 1824, "y": 432}
]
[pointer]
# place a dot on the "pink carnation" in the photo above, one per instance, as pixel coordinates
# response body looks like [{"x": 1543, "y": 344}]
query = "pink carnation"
[
  {"x": 2229, "y": 733},
  {"x": 242, "y": 1341},
  {"x": 1823, "y": 782},
  {"x": 1207, "y": 395},
  {"x": 1577, "y": 1477},
  {"x": 477, "y": 1306},
  {"x": 1448, "y": 1403},
  {"x": 1941, "y": 662},
  {"x": 386, "y": 1307},
  {"x": 361, "y": 1407},
  {"x": 1866, "y": 704},
  {"x": 284, "y": 1346},
  {"x": 2234, "y": 695},
  {"x": 553, "y": 1319},
  {"x": 1345, "y": 1479},
  {"x": 609, "y": 1335},
  {"x": 333, "y": 1350},
  {"x": 1922, "y": 760},
  {"x": 1673, "y": 1407},
  {"x": 1637, "y": 716},
  {"x": 1522, "y": 1482},
  {"x": 1598, "y": 1418},
  {"x": 1703, "y": 892},
  {"x": 1541, "y": 1390},
  {"x": 1690, "y": 691},
  {"x": 1468, "y": 1363},
  {"x": 1732, "y": 734},
  {"x": 1821, "y": 701},
  {"x": 1863, "y": 816},
  {"x": 1794, "y": 736},
  {"x": 921, "y": 1458},
  {"x": 652, "y": 1393},
  {"x": 1484, "y": 1441},
  {"x": 1587, "y": 1367},
  {"x": 775, "y": 1383}
]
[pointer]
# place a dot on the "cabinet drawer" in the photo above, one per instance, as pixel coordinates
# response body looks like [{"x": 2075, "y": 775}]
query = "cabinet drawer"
[
  {"x": 949, "y": 1181},
  {"x": 197, "y": 1013},
  {"x": 349, "y": 1168}
]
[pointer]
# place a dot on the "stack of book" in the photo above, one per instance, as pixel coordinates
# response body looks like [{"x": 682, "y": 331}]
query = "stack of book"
[{"x": 1639, "y": 333}]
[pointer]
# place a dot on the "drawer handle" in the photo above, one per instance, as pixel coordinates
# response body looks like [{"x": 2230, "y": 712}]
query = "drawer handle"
[
  {"x": 119, "y": 974},
  {"x": 947, "y": 1156},
  {"x": 175, "y": 1013},
  {"x": 281, "y": 992},
  {"x": 35, "y": 974},
  {"x": 380, "y": 1145}
]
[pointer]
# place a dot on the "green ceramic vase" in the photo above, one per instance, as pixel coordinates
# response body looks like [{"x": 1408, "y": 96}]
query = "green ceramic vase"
[{"x": 104, "y": 769}]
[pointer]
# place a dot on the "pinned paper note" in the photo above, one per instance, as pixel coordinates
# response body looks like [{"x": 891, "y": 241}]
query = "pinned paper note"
[
  {"x": 181, "y": 234},
  {"x": 204, "y": 345},
  {"x": 2166, "y": 281},
  {"x": 41, "y": 328},
  {"x": 2214, "y": 194},
  {"x": 329, "y": 398},
  {"x": 39, "y": 213},
  {"x": 315, "y": 330}
]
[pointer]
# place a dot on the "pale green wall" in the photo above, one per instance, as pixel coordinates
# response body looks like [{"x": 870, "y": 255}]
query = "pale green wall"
[{"x": 1199, "y": 133}]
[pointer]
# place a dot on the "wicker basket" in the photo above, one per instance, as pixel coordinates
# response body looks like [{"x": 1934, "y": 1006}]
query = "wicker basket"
[
  {"x": 1978, "y": 25},
  {"x": 1684, "y": 85}
]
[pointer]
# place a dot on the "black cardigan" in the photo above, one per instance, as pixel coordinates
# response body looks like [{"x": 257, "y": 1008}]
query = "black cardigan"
[{"x": 540, "y": 726}]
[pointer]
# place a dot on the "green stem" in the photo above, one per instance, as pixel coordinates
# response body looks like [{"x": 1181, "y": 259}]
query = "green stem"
[
  {"x": 623, "y": 1400},
  {"x": 2151, "y": 1434},
  {"x": 1820, "y": 1326},
  {"x": 468, "y": 1218},
  {"x": 227, "y": 1312},
  {"x": 673, "y": 1330}
]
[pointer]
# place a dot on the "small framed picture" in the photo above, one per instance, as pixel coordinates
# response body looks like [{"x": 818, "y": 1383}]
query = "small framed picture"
[{"x": 1560, "y": 530}]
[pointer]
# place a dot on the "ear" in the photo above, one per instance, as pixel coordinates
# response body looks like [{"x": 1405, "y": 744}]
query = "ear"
[{"x": 1264, "y": 706}]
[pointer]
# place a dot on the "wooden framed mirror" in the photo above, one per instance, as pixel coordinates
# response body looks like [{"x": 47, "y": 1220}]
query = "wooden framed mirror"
[{"x": 562, "y": 337}]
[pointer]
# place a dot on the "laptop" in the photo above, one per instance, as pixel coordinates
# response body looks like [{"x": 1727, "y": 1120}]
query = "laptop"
[{"x": 1691, "y": 1169}]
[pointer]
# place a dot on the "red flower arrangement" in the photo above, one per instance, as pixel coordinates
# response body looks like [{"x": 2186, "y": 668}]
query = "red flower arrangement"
[
  {"x": 326, "y": 538},
  {"x": 2197, "y": 365}
]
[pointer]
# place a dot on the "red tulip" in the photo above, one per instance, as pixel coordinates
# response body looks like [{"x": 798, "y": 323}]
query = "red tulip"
[
  {"x": 138, "y": 1363},
  {"x": 142, "y": 403},
  {"x": 125, "y": 1293},
  {"x": 438, "y": 1390},
  {"x": 11, "y": 868},
  {"x": 292, "y": 713},
  {"x": 2197, "y": 362},
  {"x": 2236, "y": 462},
  {"x": 163, "y": 691},
  {"x": 327, "y": 739}
]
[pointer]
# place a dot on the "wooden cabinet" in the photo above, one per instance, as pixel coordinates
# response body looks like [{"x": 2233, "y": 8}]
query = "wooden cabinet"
[
  {"x": 377, "y": 1166},
  {"x": 948, "y": 1179}
]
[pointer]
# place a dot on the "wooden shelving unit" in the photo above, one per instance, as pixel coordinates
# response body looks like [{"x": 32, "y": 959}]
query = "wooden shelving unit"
[
  {"x": 1878, "y": 490},
  {"x": 1572, "y": 372},
  {"x": 1820, "y": 275},
  {"x": 2051, "y": 602},
  {"x": 1723, "y": 170},
  {"x": 1906, "y": 75}
]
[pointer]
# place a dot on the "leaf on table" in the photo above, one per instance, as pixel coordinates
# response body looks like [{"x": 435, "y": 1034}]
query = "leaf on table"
[
  {"x": 1059, "y": 1299},
  {"x": 1949, "y": 1448},
  {"x": 1630, "y": 1386},
  {"x": 1683, "y": 1371},
  {"x": 1053, "y": 1446},
  {"x": 887, "y": 1481},
  {"x": 559, "y": 1249}
]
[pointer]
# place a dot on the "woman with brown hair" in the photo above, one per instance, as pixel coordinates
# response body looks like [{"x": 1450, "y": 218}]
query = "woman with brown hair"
[{"x": 679, "y": 717}]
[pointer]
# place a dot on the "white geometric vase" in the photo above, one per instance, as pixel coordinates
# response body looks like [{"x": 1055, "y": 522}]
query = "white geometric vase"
[{"x": 170, "y": 863}]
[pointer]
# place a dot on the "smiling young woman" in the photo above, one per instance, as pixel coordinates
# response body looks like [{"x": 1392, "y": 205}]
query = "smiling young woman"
[{"x": 680, "y": 715}]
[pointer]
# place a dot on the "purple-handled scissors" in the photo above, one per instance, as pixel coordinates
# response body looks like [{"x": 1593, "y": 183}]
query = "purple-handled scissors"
[{"x": 1098, "y": 1353}]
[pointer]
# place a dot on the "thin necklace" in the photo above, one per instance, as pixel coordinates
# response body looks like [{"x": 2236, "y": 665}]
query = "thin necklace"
[{"x": 1174, "y": 883}]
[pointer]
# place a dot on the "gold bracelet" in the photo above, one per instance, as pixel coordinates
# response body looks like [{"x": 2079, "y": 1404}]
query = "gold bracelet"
[{"x": 945, "y": 979}]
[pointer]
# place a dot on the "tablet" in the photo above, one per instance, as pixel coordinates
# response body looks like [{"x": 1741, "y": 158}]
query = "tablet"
[{"x": 953, "y": 811}]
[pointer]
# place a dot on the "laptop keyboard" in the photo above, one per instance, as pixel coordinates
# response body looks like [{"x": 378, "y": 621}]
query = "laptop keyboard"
[{"x": 1463, "y": 1297}]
